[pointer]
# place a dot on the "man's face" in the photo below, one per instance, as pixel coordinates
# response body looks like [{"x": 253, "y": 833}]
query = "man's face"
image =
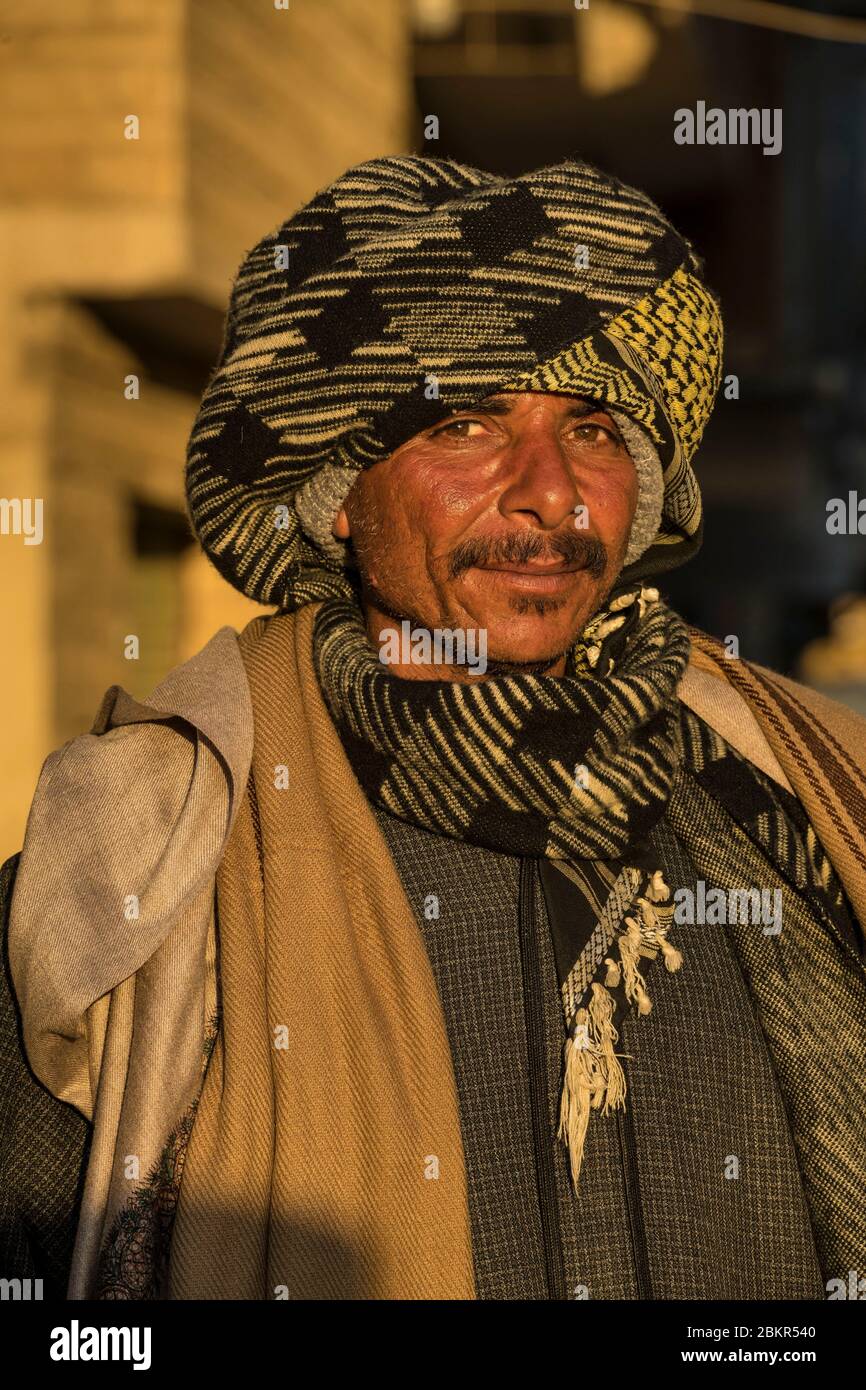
[{"x": 513, "y": 517}]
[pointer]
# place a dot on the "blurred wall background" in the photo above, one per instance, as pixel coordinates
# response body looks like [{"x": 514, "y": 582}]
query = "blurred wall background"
[{"x": 117, "y": 254}]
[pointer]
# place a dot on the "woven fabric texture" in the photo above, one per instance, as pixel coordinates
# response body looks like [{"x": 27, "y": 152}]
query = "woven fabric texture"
[
  {"x": 43, "y": 1149},
  {"x": 706, "y": 1236}
]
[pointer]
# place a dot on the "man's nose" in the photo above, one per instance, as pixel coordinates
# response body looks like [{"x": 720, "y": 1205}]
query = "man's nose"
[{"x": 541, "y": 484}]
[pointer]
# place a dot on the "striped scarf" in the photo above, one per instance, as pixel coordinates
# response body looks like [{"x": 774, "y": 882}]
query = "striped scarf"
[{"x": 575, "y": 770}]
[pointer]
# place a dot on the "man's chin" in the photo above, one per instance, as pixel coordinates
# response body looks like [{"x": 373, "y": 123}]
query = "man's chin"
[
  {"x": 531, "y": 639},
  {"x": 508, "y": 651},
  {"x": 534, "y": 641},
  {"x": 521, "y": 666}
]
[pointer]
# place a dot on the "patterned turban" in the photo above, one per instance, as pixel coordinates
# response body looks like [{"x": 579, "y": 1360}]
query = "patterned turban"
[{"x": 413, "y": 287}]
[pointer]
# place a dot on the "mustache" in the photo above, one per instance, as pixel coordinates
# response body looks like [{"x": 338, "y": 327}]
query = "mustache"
[{"x": 519, "y": 547}]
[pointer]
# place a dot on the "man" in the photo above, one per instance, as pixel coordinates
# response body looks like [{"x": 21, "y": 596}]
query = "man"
[{"x": 469, "y": 928}]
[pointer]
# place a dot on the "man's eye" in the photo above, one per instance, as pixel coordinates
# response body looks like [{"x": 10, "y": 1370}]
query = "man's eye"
[
  {"x": 456, "y": 426},
  {"x": 598, "y": 435}
]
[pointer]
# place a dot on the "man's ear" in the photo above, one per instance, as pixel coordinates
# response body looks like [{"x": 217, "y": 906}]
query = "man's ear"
[{"x": 341, "y": 528}]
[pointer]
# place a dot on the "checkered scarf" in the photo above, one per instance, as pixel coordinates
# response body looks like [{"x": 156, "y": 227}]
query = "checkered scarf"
[{"x": 572, "y": 768}]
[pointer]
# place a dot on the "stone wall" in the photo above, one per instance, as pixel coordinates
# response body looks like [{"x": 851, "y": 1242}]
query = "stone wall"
[{"x": 116, "y": 258}]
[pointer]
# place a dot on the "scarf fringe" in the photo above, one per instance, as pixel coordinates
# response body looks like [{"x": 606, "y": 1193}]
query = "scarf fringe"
[
  {"x": 593, "y": 1077},
  {"x": 602, "y": 626}
]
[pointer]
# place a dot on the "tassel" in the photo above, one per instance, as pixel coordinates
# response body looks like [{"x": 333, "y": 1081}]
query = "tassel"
[
  {"x": 622, "y": 601},
  {"x": 658, "y": 920},
  {"x": 601, "y": 1011},
  {"x": 629, "y": 953},
  {"x": 633, "y": 933},
  {"x": 673, "y": 957},
  {"x": 657, "y": 890},
  {"x": 576, "y": 1099},
  {"x": 645, "y": 598},
  {"x": 642, "y": 999},
  {"x": 606, "y": 628},
  {"x": 593, "y": 1078}
]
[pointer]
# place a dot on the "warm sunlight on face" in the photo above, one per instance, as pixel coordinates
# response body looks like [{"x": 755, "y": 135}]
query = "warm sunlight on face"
[{"x": 513, "y": 517}]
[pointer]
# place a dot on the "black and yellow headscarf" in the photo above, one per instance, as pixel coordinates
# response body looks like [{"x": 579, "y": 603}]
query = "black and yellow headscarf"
[{"x": 413, "y": 287}]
